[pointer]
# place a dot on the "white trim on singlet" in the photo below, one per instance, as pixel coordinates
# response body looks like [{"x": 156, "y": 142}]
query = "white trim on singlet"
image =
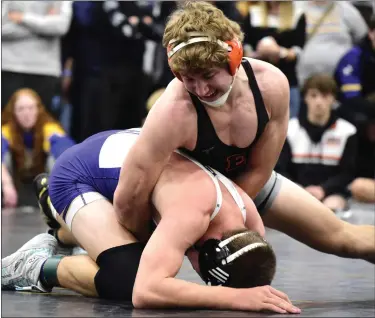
[
  {"x": 233, "y": 191},
  {"x": 216, "y": 176}
]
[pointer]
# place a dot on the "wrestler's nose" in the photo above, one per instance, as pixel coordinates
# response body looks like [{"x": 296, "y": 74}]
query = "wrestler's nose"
[{"x": 202, "y": 88}]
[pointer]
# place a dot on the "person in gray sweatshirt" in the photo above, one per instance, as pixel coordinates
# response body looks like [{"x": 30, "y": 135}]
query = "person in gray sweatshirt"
[
  {"x": 31, "y": 32},
  {"x": 333, "y": 27}
]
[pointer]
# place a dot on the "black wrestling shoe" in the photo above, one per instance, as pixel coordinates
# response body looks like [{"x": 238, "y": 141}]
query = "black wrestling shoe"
[{"x": 40, "y": 184}]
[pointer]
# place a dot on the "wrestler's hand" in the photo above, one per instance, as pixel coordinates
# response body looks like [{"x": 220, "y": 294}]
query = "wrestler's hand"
[
  {"x": 10, "y": 196},
  {"x": 267, "y": 298}
]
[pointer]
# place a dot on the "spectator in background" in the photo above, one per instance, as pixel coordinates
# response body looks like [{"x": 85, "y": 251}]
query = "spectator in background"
[
  {"x": 355, "y": 73},
  {"x": 333, "y": 27},
  {"x": 365, "y": 7},
  {"x": 275, "y": 32},
  {"x": 155, "y": 60},
  {"x": 363, "y": 187},
  {"x": 31, "y": 32},
  {"x": 320, "y": 149},
  {"x": 30, "y": 141},
  {"x": 82, "y": 62},
  {"x": 125, "y": 27},
  {"x": 230, "y": 10}
]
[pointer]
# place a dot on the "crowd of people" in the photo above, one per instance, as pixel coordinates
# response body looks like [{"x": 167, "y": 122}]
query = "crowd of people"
[
  {"x": 276, "y": 96},
  {"x": 75, "y": 56}
]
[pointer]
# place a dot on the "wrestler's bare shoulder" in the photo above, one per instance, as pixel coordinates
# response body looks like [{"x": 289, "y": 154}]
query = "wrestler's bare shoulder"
[
  {"x": 176, "y": 96},
  {"x": 182, "y": 182},
  {"x": 272, "y": 83}
]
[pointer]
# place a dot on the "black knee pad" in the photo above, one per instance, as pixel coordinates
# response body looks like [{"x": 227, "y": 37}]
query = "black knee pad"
[{"x": 118, "y": 268}]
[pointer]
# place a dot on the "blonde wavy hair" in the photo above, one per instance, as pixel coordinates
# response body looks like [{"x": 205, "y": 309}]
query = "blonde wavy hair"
[
  {"x": 17, "y": 144},
  {"x": 199, "y": 16}
]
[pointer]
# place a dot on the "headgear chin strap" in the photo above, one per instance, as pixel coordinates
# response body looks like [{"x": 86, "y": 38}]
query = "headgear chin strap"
[
  {"x": 215, "y": 259},
  {"x": 222, "y": 99}
]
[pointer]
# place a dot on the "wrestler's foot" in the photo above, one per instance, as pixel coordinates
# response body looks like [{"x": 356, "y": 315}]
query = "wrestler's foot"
[
  {"x": 40, "y": 184},
  {"x": 21, "y": 270},
  {"x": 62, "y": 248}
]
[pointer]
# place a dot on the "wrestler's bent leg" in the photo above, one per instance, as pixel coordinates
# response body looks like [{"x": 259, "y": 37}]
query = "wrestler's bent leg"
[
  {"x": 299, "y": 215},
  {"x": 116, "y": 252}
]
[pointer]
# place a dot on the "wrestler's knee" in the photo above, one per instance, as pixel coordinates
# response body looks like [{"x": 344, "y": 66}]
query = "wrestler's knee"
[
  {"x": 349, "y": 241},
  {"x": 118, "y": 268}
]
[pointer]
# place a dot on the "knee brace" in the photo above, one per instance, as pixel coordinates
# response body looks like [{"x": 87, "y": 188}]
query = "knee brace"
[{"x": 118, "y": 268}]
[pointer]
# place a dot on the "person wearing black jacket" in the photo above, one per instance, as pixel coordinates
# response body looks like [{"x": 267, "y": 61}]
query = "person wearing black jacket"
[
  {"x": 275, "y": 31},
  {"x": 320, "y": 150},
  {"x": 363, "y": 187}
]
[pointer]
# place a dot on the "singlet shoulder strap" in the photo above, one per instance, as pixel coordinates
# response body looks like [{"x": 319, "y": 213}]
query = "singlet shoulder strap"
[
  {"x": 258, "y": 99},
  {"x": 204, "y": 122},
  {"x": 198, "y": 105}
]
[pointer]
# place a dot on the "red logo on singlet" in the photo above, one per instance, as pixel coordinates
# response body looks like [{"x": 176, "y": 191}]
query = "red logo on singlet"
[{"x": 235, "y": 161}]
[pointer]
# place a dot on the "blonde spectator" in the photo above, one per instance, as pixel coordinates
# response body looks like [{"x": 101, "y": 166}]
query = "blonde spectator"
[
  {"x": 275, "y": 32},
  {"x": 31, "y": 141}
]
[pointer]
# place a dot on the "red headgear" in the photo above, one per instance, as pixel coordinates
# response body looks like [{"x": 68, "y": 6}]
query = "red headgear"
[{"x": 234, "y": 48}]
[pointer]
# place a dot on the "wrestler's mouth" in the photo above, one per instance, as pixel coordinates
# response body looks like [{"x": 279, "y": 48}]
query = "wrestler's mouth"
[{"x": 210, "y": 96}]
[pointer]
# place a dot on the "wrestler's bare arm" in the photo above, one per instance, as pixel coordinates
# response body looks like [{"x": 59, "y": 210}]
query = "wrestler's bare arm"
[
  {"x": 157, "y": 287},
  {"x": 160, "y": 136},
  {"x": 275, "y": 91}
]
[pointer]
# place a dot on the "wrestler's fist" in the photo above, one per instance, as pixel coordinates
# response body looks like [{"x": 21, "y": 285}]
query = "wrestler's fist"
[{"x": 266, "y": 298}]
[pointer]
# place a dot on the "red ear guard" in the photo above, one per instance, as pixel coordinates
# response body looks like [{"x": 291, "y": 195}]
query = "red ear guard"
[
  {"x": 234, "y": 47},
  {"x": 235, "y": 55}
]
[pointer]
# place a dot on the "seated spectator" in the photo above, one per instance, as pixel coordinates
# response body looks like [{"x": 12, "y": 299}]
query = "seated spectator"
[
  {"x": 30, "y": 141},
  {"x": 275, "y": 32},
  {"x": 333, "y": 27},
  {"x": 319, "y": 152},
  {"x": 363, "y": 187},
  {"x": 355, "y": 73}
]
